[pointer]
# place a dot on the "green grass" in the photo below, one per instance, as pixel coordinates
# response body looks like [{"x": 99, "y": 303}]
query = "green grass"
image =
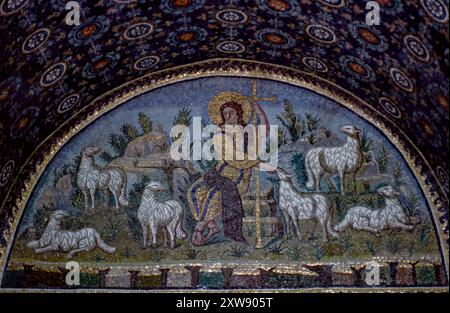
[{"x": 352, "y": 245}]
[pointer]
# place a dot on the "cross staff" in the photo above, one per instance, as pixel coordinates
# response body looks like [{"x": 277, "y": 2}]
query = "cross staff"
[{"x": 255, "y": 101}]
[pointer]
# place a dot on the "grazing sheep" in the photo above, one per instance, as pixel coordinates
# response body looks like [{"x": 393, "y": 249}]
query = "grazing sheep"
[
  {"x": 91, "y": 178},
  {"x": 154, "y": 214},
  {"x": 392, "y": 216},
  {"x": 296, "y": 205},
  {"x": 56, "y": 239},
  {"x": 343, "y": 160}
]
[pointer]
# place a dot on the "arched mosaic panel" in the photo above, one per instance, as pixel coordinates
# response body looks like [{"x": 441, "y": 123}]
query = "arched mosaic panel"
[{"x": 345, "y": 203}]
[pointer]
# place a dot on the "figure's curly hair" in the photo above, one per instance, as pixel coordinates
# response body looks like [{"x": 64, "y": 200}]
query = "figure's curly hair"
[{"x": 237, "y": 107}]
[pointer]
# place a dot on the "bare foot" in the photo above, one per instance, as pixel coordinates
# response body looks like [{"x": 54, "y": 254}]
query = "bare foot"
[{"x": 198, "y": 239}]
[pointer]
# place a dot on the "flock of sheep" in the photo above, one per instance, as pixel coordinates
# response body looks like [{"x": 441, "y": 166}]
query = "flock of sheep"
[{"x": 294, "y": 205}]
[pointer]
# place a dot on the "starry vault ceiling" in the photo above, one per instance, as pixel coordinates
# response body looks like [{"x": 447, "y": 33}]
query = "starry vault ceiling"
[{"x": 50, "y": 70}]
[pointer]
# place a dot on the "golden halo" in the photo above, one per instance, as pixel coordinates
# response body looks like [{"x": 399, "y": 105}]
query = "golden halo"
[{"x": 224, "y": 97}]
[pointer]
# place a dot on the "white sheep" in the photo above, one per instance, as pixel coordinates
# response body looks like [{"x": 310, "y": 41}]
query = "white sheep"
[
  {"x": 343, "y": 160},
  {"x": 296, "y": 205},
  {"x": 153, "y": 214},
  {"x": 56, "y": 239},
  {"x": 392, "y": 216},
  {"x": 91, "y": 177}
]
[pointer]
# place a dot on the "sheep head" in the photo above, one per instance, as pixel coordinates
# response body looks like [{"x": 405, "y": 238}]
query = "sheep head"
[
  {"x": 59, "y": 215},
  {"x": 283, "y": 175},
  {"x": 388, "y": 192},
  {"x": 91, "y": 150},
  {"x": 351, "y": 131},
  {"x": 154, "y": 186}
]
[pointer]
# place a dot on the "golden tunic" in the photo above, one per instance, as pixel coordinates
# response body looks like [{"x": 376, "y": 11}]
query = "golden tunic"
[{"x": 205, "y": 203}]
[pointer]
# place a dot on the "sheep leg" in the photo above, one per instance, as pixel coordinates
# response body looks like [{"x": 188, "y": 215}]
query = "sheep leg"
[
  {"x": 354, "y": 182},
  {"x": 331, "y": 183},
  {"x": 166, "y": 236},
  {"x": 368, "y": 228},
  {"x": 295, "y": 222},
  {"x": 324, "y": 231},
  {"x": 144, "y": 234},
  {"x": 286, "y": 219},
  {"x": 317, "y": 181},
  {"x": 45, "y": 249},
  {"x": 154, "y": 230},
  {"x": 106, "y": 198},
  {"x": 171, "y": 231},
  {"x": 92, "y": 193},
  {"x": 402, "y": 226},
  {"x": 313, "y": 231},
  {"x": 342, "y": 179},
  {"x": 73, "y": 252},
  {"x": 116, "y": 197},
  {"x": 86, "y": 199}
]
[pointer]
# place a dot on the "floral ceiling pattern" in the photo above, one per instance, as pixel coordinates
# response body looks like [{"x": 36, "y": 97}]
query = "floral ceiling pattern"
[{"x": 50, "y": 70}]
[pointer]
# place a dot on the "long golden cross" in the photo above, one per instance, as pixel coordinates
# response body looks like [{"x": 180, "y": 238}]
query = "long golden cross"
[{"x": 255, "y": 99}]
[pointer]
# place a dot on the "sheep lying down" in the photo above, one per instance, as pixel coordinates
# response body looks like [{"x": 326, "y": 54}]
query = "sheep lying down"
[
  {"x": 391, "y": 217},
  {"x": 55, "y": 239}
]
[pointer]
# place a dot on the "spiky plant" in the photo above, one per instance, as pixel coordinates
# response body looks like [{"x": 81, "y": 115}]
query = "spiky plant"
[
  {"x": 276, "y": 249},
  {"x": 393, "y": 245},
  {"x": 40, "y": 219},
  {"x": 312, "y": 138},
  {"x": 118, "y": 143},
  {"x": 129, "y": 131},
  {"x": 411, "y": 204},
  {"x": 192, "y": 254},
  {"x": 74, "y": 223},
  {"x": 127, "y": 253},
  {"x": 145, "y": 122},
  {"x": 424, "y": 236},
  {"x": 250, "y": 229},
  {"x": 291, "y": 121},
  {"x": 295, "y": 252},
  {"x": 281, "y": 137},
  {"x": 183, "y": 117},
  {"x": 346, "y": 244},
  {"x": 383, "y": 159},
  {"x": 105, "y": 156},
  {"x": 318, "y": 252},
  {"x": 366, "y": 143},
  {"x": 99, "y": 258},
  {"x": 157, "y": 255},
  {"x": 112, "y": 229},
  {"x": 312, "y": 122},
  {"x": 399, "y": 176},
  {"x": 370, "y": 246},
  {"x": 237, "y": 251},
  {"x": 411, "y": 247}
]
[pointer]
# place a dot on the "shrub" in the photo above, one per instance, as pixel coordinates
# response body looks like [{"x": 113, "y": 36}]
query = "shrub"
[
  {"x": 237, "y": 251},
  {"x": 318, "y": 252},
  {"x": 370, "y": 247},
  {"x": 40, "y": 219},
  {"x": 276, "y": 249},
  {"x": 292, "y": 121}
]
